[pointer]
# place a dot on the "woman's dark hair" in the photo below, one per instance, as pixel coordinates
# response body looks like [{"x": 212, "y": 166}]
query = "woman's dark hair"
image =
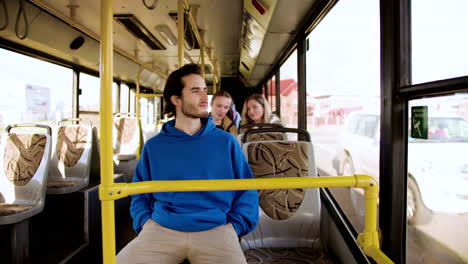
[{"x": 174, "y": 86}]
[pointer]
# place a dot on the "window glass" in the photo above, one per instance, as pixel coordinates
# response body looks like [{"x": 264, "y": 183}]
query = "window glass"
[
  {"x": 132, "y": 100},
  {"x": 343, "y": 97},
  {"x": 33, "y": 91},
  {"x": 157, "y": 108},
  {"x": 272, "y": 94},
  {"x": 437, "y": 207},
  {"x": 115, "y": 87},
  {"x": 90, "y": 92},
  {"x": 144, "y": 111},
  {"x": 90, "y": 99},
  {"x": 151, "y": 116},
  {"x": 124, "y": 94},
  {"x": 289, "y": 92},
  {"x": 439, "y": 39}
]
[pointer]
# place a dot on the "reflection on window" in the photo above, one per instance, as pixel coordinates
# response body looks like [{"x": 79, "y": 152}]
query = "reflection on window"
[
  {"x": 289, "y": 92},
  {"x": 439, "y": 39},
  {"x": 343, "y": 97},
  {"x": 33, "y": 91}
]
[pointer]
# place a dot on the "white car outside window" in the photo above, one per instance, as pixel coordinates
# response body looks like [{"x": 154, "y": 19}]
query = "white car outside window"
[{"x": 437, "y": 166}]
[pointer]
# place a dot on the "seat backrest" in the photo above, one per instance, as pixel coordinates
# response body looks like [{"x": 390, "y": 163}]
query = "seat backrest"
[
  {"x": 125, "y": 136},
  {"x": 71, "y": 157},
  {"x": 264, "y": 137},
  {"x": 259, "y": 137},
  {"x": 24, "y": 167},
  {"x": 288, "y": 217}
]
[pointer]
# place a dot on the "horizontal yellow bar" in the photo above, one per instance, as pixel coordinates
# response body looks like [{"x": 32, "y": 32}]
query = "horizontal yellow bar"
[
  {"x": 150, "y": 95},
  {"x": 120, "y": 190},
  {"x": 368, "y": 240}
]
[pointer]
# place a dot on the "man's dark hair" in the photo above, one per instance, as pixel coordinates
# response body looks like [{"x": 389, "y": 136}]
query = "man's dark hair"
[{"x": 174, "y": 86}]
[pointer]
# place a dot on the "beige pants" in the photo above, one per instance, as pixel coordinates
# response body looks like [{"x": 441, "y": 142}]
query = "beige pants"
[{"x": 157, "y": 244}]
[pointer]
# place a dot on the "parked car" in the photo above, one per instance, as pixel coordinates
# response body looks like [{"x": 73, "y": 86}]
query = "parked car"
[{"x": 437, "y": 166}]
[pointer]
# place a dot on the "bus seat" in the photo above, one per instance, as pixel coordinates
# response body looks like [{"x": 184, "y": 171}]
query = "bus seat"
[
  {"x": 71, "y": 157},
  {"x": 289, "y": 220},
  {"x": 259, "y": 137},
  {"x": 125, "y": 136},
  {"x": 24, "y": 167},
  {"x": 264, "y": 137}
]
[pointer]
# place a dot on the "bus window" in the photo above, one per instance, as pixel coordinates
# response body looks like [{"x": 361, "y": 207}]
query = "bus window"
[
  {"x": 89, "y": 98},
  {"x": 124, "y": 97},
  {"x": 115, "y": 87},
  {"x": 288, "y": 91},
  {"x": 33, "y": 91},
  {"x": 444, "y": 56},
  {"x": 132, "y": 108},
  {"x": 343, "y": 77},
  {"x": 272, "y": 94},
  {"x": 437, "y": 180}
]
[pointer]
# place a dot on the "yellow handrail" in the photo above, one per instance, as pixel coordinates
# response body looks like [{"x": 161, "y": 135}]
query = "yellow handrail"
[
  {"x": 105, "y": 116},
  {"x": 368, "y": 240},
  {"x": 137, "y": 104}
]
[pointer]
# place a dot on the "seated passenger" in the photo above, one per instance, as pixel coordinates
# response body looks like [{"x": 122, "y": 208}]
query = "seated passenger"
[
  {"x": 220, "y": 108},
  {"x": 257, "y": 110},
  {"x": 202, "y": 227},
  {"x": 438, "y": 131},
  {"x": 235, "y": 116}
]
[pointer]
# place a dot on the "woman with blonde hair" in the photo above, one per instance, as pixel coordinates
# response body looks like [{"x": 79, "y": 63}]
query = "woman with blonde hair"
[
  {"x": 221, "y": 104},
  {"x": 257, "y": 110}
]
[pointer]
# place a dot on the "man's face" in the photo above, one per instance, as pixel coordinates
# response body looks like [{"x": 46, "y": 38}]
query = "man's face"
[{"x": 194, "y": 100}]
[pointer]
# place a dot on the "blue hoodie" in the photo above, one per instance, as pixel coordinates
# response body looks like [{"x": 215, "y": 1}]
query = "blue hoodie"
[{"x": 208, "y": 154}]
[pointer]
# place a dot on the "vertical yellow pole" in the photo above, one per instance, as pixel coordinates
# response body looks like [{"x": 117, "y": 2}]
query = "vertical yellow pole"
[
  {"x": 370, "y": 218},
  {"x": 180, "y": 32},
  {"x": 202, "y": 56},
  {"x": 107, "y": 165},
  {"x": 138, "y": 112}
]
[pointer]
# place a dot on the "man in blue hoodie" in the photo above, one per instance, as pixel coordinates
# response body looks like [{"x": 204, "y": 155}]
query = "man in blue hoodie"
[{"x": 202, "y": 227}]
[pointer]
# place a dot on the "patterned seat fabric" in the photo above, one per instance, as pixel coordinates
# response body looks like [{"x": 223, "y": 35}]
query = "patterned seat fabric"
[
  {"x": 287, "y": 256},
  {"x": 10, "y": 209},
  {"x": 279, "y": 160},
  {"x": 265, "y": 137},
  {"x": 23, "y": 175},
  {"x": 71, "y": 142},
  {"x": 125, "y": 137},
  {"x": 23, "y": 156},
  {"x": 70, "y": 164}
]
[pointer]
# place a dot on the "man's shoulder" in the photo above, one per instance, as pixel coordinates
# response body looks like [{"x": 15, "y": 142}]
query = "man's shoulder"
[{"x": 156, "y": 139}]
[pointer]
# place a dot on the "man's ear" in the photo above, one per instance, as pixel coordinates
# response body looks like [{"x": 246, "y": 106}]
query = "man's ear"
[{"x": 175, "y": 100}]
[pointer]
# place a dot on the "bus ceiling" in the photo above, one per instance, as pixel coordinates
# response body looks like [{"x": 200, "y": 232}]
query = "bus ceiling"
[{"x": 240, "y": 38}]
